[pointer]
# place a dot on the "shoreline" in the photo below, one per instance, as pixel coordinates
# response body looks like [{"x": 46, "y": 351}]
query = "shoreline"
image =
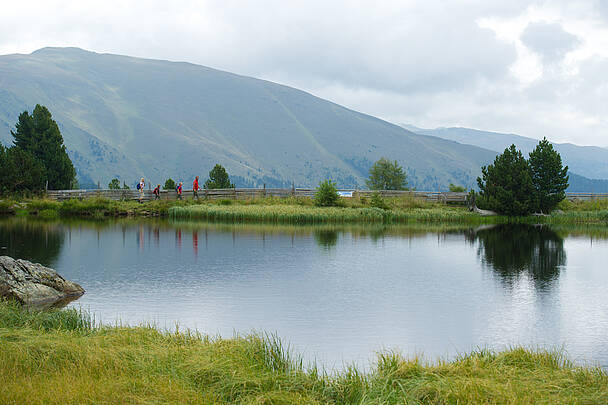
[{"x": 298, "y": 211}]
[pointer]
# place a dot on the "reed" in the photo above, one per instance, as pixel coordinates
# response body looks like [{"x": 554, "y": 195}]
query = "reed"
[
  {"x": 290, "y": 214},
  {"x": 63, "y": 363}
]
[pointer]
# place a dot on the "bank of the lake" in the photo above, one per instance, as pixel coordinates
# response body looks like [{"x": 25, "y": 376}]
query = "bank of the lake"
[
  {"x": 299, "y": 211},
  {"x": 62, "y": 357}
]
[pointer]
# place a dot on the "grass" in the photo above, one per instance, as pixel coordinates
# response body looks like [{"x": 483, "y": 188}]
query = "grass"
[
  {"x": 301, "y": 214},
  {"x": 50, "y": 358},
  {"x": 300, "y": 210}
]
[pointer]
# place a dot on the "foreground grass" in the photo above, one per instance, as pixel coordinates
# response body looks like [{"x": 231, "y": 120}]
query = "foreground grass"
[{"x": 49, "y": 358}]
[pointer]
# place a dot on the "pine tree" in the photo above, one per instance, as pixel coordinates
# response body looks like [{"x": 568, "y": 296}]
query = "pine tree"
[
  {"x": 218, "y": 178},
  {"x": 549, "y": 177},
  {"x": 21, "y": 172},
  {"x": 39, "y": 135},
  {"x": 506, "y": 186}
]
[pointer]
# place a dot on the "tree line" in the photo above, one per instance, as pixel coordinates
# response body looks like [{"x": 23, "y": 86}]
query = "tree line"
[{"x": 512, "y": 185}]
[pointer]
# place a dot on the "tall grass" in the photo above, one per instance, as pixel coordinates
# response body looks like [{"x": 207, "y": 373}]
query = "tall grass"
[
  {"x": 13, "y": 315},
  {"x": 59, "y": 364},
  {"x": 287, "y": 214}
]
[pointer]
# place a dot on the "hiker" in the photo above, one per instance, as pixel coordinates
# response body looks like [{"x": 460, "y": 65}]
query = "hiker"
[
  {"x": 195, "y": 188},
  {"x": 179, "y": 190},
  {"x": 140, "y": 187},
  {"x": 157, "y": 192}
]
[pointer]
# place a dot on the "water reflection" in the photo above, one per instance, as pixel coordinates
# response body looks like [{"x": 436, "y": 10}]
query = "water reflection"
[
  {"x": 38, "y": 241},
  {"x": 513, "y": 251},
  {"x": 327, "y": 238}
]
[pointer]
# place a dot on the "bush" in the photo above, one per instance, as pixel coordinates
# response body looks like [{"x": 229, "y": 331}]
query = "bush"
[
  {"x": 378, "y": 202},
  {"x": 456, "y": 189},
  {"x": 327, "y": 194}
]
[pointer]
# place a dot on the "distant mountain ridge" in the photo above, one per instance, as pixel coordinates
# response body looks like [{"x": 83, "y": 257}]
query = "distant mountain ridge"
[
  {"x": 129, "y": 117},
  {"x": 587, "y": 161}
]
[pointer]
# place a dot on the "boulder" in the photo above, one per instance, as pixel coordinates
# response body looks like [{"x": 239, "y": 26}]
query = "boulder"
[{"x": 34, "y": 285}]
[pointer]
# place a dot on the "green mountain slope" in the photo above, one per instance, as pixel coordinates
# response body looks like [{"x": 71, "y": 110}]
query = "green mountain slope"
[
  {"x": 588, "y": 161},
  {"x": 128, "y": 117}
]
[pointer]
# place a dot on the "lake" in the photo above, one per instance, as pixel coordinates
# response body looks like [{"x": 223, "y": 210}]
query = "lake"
[{"x": 336, "y": 294}]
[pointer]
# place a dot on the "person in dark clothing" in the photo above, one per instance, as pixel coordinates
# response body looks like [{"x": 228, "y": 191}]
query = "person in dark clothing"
[
  {"x": 157, "y": 192},
  {"x": 179, "y": 190}
]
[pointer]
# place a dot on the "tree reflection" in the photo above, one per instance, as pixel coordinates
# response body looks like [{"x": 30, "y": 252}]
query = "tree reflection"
[
  {"x": 38, "y": 242},
  {"x": 515, "y": 250},
  {"x": 326, "y": 238}
]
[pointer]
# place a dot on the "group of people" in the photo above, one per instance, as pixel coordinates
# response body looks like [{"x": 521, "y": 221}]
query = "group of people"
[{"x": 178, "y": 189}]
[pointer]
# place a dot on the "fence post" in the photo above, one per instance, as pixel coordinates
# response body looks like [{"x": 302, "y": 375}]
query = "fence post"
[
  {"x": 293, "y": 189},
  {"x": 264, "y": 190}
]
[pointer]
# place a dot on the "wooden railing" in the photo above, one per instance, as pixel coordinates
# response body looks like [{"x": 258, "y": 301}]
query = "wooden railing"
[{"x": 248, "y": 193}]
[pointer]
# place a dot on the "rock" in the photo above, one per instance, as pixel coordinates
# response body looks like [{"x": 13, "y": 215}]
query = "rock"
[
  {"x": 484, "y": 213},
  {"x": 34, "y": 285}
]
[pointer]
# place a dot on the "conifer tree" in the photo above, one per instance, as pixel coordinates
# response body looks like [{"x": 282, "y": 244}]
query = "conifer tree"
[
  {"x": 549, "y": 177},
  {"x": 39, "y": 135},
  {"x": 21, "y": 172},
  {"x": 506, "y": 186},
  {"x": 218, "y": 178}
]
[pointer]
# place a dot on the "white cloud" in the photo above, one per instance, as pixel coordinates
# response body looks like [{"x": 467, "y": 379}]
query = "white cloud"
[{"x": 529, "y": 66}]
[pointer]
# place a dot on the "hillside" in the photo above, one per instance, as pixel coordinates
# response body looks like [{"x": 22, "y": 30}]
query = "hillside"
[
  {"x": 129, "y": 117},
  {"x": 587, "y": 161}
]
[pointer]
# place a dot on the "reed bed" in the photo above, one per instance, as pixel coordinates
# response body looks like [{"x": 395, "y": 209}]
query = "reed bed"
[
  {"x": 65, "y": 362},
  {"x": 291, "y": 214}
]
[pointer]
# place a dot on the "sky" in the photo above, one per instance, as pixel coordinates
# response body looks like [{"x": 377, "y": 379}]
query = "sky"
[{"x": 531, "y": 67}]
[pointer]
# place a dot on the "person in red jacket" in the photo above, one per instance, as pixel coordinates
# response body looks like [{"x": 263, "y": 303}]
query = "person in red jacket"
[
  {"x": 179, "y": 190},
  {"x": 195, "y": 188},
  {"x": 156, "y": 192}
]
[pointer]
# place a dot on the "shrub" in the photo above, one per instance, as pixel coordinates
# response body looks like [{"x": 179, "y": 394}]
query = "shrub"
[
  {"x": 327, "y": 194},
  {"x": 377, "y": 201},
  {"x": 456, "y": 189}
]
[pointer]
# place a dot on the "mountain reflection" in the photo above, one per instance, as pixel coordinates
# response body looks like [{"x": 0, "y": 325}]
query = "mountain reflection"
[
  {"x": 39, "y": 242},
  {"x": 512, "y": 251}
]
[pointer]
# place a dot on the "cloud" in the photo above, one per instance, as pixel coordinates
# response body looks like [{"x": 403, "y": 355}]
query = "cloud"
[
  {"x": 549, "y": 40},
  {"x": 527, "y": 66}
]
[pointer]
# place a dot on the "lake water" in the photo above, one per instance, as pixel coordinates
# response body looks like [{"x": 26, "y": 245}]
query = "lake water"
[{"x": 338, "y": 295}]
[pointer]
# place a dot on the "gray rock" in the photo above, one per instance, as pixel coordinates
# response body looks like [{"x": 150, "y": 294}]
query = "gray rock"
[
  {"x": 484, "y": 213},
  {"x": 34, "y": 285}
]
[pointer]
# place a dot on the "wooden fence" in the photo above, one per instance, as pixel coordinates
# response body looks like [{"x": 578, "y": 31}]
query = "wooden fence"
[{"x": 249, "y": 193}]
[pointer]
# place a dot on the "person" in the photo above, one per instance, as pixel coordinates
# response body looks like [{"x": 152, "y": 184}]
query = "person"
[
  {"x": 179, "y": 190},
  {"x": 157, "y": 192},
  {"x": 195, "y": 188},
  {"x": 140, "y": 187}
]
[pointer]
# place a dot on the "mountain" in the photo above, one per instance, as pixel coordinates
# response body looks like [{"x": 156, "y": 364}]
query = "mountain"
[
  {"x": 587, "y": 161},
  {"x": 580, "y": 184},
  {"x": 129, "y": 117}
]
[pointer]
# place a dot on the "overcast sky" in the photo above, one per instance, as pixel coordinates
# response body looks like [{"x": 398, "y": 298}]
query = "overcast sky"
[{"x": 535, "y": 68}]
